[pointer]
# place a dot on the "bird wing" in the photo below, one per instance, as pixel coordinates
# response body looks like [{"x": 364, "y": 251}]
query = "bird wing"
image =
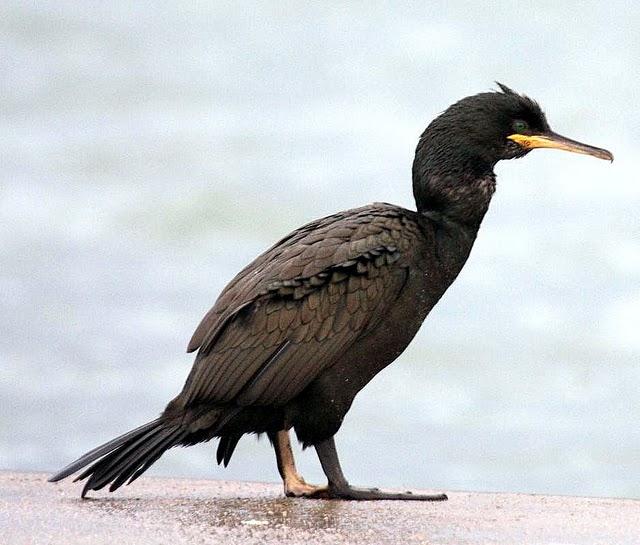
[{"x": 290, "y": 314}]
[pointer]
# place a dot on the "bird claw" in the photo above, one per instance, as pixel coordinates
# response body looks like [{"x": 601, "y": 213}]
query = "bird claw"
[
  {"x": 351, "y": 493},
  {"x": 300, "y": 489}
]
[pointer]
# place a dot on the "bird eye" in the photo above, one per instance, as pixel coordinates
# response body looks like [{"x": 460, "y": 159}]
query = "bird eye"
[{"x": 520, "y": 126}]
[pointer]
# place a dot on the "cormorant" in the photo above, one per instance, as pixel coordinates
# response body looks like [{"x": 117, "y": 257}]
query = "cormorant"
[{"x": 303, "y": 328}]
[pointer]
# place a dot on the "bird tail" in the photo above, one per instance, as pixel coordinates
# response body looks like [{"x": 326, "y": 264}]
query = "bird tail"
[{"x": 125, "y": 457}]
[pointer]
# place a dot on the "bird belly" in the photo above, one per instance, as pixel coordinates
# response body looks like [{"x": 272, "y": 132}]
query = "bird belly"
[{"x": 318, "y": 412}]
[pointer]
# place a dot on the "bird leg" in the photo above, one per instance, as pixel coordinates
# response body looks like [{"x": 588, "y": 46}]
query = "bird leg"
[
  {"x": 339, "y": 488},
  {"x": 294, "y": 485}
]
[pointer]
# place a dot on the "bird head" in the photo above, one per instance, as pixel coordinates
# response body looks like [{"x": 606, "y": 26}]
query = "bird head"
[
  {"x": 490, "y": 127},
  {"x": 456, "y": 154}
]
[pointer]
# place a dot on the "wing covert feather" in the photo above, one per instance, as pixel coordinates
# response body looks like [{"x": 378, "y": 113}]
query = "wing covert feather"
[{"x": 290, "y": 314}]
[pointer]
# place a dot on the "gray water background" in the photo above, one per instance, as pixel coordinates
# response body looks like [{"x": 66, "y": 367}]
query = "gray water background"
[{"x": 150, "y": 151}]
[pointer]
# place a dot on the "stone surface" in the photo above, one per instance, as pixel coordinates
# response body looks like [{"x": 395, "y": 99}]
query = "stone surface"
[{"x": 175, "y": 511}]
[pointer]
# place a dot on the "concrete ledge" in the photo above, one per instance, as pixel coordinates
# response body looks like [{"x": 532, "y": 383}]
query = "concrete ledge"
[{"x": 173, "y": 511}]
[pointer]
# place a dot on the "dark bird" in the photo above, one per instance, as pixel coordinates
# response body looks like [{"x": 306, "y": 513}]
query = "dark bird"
[{"x": 303, "y": 328}]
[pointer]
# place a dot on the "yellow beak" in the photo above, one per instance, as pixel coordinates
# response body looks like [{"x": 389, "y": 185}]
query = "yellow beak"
[{"x": 552, "y": 140}]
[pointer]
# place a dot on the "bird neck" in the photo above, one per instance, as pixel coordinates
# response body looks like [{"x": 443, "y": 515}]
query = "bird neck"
[{"x": 458, "y": 188}]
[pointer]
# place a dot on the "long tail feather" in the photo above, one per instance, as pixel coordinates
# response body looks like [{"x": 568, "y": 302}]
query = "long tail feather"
[
  {"x": 127, "y": 456},
  {"x": 101, "y": 451}
]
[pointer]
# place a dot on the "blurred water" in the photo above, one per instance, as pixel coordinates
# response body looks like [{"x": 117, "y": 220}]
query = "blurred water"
[{"x": 150, "y": 152}]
